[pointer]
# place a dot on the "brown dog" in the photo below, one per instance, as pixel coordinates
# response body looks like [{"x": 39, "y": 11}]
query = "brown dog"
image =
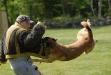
[{"x": 84, "y": 43}]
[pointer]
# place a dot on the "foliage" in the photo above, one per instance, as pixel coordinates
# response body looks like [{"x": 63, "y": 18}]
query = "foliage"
[{"x": 49, "y": 9}]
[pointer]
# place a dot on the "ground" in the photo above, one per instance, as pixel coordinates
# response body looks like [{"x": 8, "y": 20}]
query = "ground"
[{"x": 98, "y": 62}]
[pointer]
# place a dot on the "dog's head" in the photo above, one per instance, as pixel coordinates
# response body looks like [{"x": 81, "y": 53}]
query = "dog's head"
[{"x": 48, "y": 44}]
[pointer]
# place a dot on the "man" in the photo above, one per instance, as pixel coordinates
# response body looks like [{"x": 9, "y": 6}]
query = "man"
[{"x": 21, "y": 43}]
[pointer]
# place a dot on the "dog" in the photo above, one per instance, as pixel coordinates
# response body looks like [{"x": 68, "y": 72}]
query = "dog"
[{"x": 56, "y": 51}]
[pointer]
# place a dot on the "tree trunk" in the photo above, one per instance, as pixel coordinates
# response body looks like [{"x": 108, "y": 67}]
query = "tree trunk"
[
  {"x": 3, "y": 21},
  {"x": 63, "y": 11},
  {"x": 64, "y": 7},
  {"x": 6, "y": 9},
  {"x": 91, "y": 3},
  {"x": 99, "y": 8},
  {"x": 109, "y": 10}
]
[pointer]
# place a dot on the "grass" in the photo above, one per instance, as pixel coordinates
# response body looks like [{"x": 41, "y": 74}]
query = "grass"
[{"x": 98, "y": 62}]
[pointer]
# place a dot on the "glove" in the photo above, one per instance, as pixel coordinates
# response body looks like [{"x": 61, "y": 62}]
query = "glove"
[
  {"x": 32, "y": 23},
  {"x": 39, "y": 28}
]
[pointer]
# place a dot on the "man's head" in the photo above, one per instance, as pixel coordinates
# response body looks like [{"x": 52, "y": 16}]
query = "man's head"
[{"x": 24, "y": 21}]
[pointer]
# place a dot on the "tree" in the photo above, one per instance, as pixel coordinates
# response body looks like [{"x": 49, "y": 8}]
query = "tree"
[
  {"x": 91, "y": 3},
  {"x": 6, "y": 9},
  {"x": 99, "y": 8},
  {"x": 109, "y": 10}
]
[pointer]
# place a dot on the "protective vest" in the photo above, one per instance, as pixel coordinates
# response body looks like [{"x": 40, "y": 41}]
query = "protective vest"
[{"x": 13, "y": 51}]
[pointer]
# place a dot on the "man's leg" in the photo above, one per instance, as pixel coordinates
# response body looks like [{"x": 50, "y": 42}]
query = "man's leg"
[{"x": 22, "y": 67}]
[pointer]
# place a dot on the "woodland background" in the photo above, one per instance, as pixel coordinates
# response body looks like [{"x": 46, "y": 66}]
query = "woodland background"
[{"x": 59, "y": 13}]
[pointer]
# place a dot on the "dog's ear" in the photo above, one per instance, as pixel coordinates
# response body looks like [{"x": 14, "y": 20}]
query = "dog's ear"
[
  {"x": 45, "y": 39},
  {"x": 48, "y": 41},
  {"x": 54, "y": 39}
]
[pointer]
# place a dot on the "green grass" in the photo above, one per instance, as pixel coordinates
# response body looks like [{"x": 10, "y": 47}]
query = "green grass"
[{"x": 98, "y": 62}]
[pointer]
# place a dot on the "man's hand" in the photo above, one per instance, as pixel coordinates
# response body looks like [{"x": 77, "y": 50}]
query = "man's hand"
[{"x": 39, "y": 28}]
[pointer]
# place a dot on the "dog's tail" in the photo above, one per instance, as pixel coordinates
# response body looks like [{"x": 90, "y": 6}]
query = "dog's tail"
[{"x": 87, "y": 25}]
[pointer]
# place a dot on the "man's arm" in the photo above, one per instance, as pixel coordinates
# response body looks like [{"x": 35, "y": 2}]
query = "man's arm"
[{"x": 31, "y": 40}]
